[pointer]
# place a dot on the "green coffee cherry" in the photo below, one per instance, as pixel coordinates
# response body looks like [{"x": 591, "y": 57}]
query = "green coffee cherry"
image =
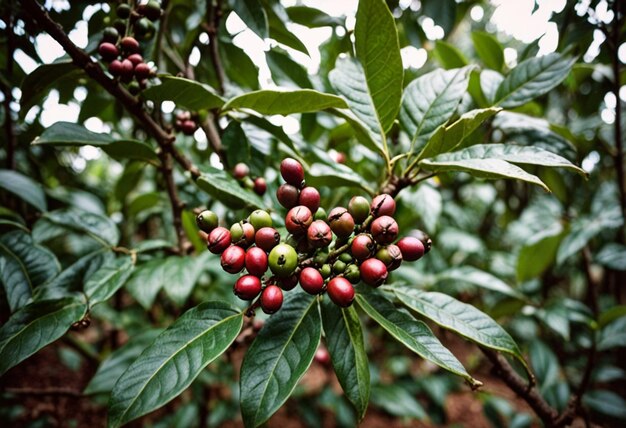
[
  {"x": 283, "y": 260},
  {"x": 339, "y": 267},
  {"x": 320, "y": 214},
  {"x": 346, "y": 258},
  {"x": 326, "y": 270},
  {"x": 260, "y": 219},
  {"x": 353, "y": 274},
  {"x": 321, "y": 257},
  {"x": 359, "y": 208}
]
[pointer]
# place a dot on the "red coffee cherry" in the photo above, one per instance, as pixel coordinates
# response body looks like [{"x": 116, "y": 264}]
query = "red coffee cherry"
[
  {"x": 310, "y": 198},
  {"x": 362, "y": 246},
  {"x": 241, "y": 170},
  {"x": 247, "y": 287},
  {"x": 271, "y": 299},
  {"x": 373, "y": 272},
  {"x": 108, "y": 51},
  {"x": 422, "y": 236},
  {"x": 288, "y": 283},
  {"x": 384, "y": 230},
  {"x": 135, "y": 58},
  {"x": 218, "y": 240},
  {"x": 189, "y": 127},
  {"x": 319, "y": 234},
  {"x": 260, "y": 186},
  {"x": 128, "y": 69},
  {"x": 256, "y": 261},
  {"x": 267, "y": 238},
  {"x": 115, "y": 68},
  {"x": 341, "y": 222},
  {"x": 130, "y": 44},
  {"x": 412, "y": 248},
  {"x": 142, "y": 71},
  {"x": 383, "y": 205},
  {"x": 391, "y": 256},
  {"x": 233, "y": 259},
  {"x": 322, "y": 356},
  {"x": 287, "y": 195},
  {"x": 311, "y": 280},
  {"x": 292, "y": 172},
  {"x": 359, "y": 208},
  {"x": 298, "y": 220},
  {"x": 340, "y": 291}
]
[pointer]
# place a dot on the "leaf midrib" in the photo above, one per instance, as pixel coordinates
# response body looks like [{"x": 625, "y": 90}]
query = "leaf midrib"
[
  {"x": 352, "y": 339},
  {"x": 516, "y": 88},
  {"x": 22, "y": 266}
]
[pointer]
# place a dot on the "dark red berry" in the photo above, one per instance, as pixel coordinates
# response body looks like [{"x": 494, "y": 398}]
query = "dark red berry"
[
  {"x": 319, "y": 234},
  {"x": 247, "y": 287},
  {"x": 189, "y": 127},
  {"x": 298, "y": 220},
  {"x": 130, "y": 44},
  {"x": 311, "y": 280},
  {"x": 271, "y": 299},
  {"x": 142, "y": 71},
  {"x": 115, "y": 68},
  {"x": 341, "y": 222},
  {"x": 292, "y": 172},
  {"x": 310, "y": 198},
  {"x": 340, "y": 291},
  {"x": 373, "y": 272},
  {"x": 241, "y": 170},
  {"x": 322, "y": 356},
  {"x": 260, "y": 186},
  {"x": 422, "y": 236},
  {"x": 391, "y": 256},
  {"x": 412, "y": 248},
  {"x": 267, "y": 238},
  {"x": 256, "y": 261},
  {"x": 289, "y": 282},
  {"x": 233, "y": 259},
  {"x": 128, "y": 69},
  {"x": 362, "y": 246},
  {"x": 218, "y": 240},
  {"x": 108, "y": 51},
  {"x": 383, "y": 205},
  {"x": 287, "y": 195},
  {"x": 359, "y": 208},
  {"x": 135, "y": 58},
  {"x": 384, "y": 230}
]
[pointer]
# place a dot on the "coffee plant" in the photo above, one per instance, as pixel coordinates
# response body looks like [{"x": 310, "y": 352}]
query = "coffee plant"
[{"x": 206, "y": 228}]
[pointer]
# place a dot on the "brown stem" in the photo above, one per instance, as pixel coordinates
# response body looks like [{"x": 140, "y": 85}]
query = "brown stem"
[
  {"x": 156, "y": 56},
  {"x": 177, "y": 204},
  {"x": 8, "y": 96},
  {"x": 214, "y": 15}
]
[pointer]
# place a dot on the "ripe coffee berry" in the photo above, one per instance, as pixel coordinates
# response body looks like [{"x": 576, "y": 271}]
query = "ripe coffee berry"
[
  {"x": 310, "y": 198},
  {"x": 240, "y": 170},
  {"x": 233, "y": 259},
  {"x": 256, "y": 261},
  {"x": 189, "y": 127},
  {"x": 391, "y": 256},
  {"x": 135, "y": 58},
  {"x": 412, "y": 248},
  {"x": 260, "y": 219},
  {"x": 218, "y": 240},
  {"x": 311, "y": 280},
  {"x": 373, "y": 272},
  {"x": 288, "y": 283},
  {"x": 247, "y": 287},
  {"x": 260, "y": 186},
  {"x": 287, "y": 195},
  {"x": 207, "y": 221},
  {"x": 267, "y": 238},
  {"x": 384, "y": 230},
  {"x": 359, "y": 208},
  {"x": 271, "y": 299},
  {"x": 322, "y": 356},
  {"x": 383, "y": 205},
  {"x": 298, "y": 220},
  {"x": 128, "y": 69},
  {"x": 319, "y": 234},
  {"x": 362, "y": 246},
  {"x": 130, "y": 44},
  {"x": 115, "y": 67},
  {"x": 341, "y": 222},
  {"x": 340, "y": 291},
  {"x": 108, "y": 51},
  {"x": 142, "y": 71},
  {"x": 292, "y": 172},
  {"x": 283, "y": 260},
  {"x": 422, "y": 236}
]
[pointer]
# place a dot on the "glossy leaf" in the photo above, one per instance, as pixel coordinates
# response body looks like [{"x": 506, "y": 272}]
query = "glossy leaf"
[
  {"x": 378, "y": 50},
  {"x": 534, "y": 258},
  {"x": 286, "y": 72},
  {"x": 449, "y": 55},
  {"x": 320, "y": 174},
  {"x": 532, "y": 78},
  {"x": 412, "y": 333},
  {"x": 99, "y": 227},
  {"x": 176, "y": 357},
  {"x": 252, "y": 13},
  {"x": 225, "y": 188},
  {"x": 278, "y": 357},
  {"x": 108, "y": 279},
  {"x": 344, "y": 339},
  {"x": 180, "y": 274},
  {"x": 397, "y": 401},
  {"x": 277, "y": 19},
  {"x": 24, "y": 188},
  {"x": 146, "y": 282},
  {"x": 311, "y": 17},
  {"x": 185, "y": 93},
  {"x": 488, "y": 49},
  {"x": 612, "y": 256},
  {"x": 39, "y": 82},
  {"x": 470, "y": 275},
  {"x": 606, "y": 403},
  {"x": 270, "y": 102},
  {"x": 35, "y": 326},
  {"x": 545, "y": 364},
  {"x": 362, "y": 132}
]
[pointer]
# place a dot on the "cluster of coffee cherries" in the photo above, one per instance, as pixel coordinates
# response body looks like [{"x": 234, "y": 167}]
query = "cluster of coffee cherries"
[
  {"x": 186, "y": 122},
  {"x": 241, "y": 172},
  {"x": 324, "y": 253}
]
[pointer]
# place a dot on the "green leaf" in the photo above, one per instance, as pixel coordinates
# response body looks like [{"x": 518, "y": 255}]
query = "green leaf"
[
  {"x": 606, "y": 403},
  {"x": 252, "y": 13},
  {"x": 448, "y": 138},
  {"x": 319, "y": 174},
  {"x": 108, "y": 279},
  {"x": 449, "y": 55},
  {"x": 24, "y": 265},
  {"x": 118, "y": 362},
  {"x": 611, "y": 314},
  {"x": 311, "y": 17},
  {"x": 344, "y": 339},
  {"x": 545, "y": 364},
  {"x": 99, "y": 227},
  {"x": 176, "y": 357},
  {"x": 612, "y": 256},
  {"x": 185, "y": 93},
  {"x": 361, "y": 131},
  {"x": 35, "y": 326},
  {"x": 73, "y": 134},
  {"x": 397, "y": 401},
  {"x": 146, "y": 282},
  {"x": 270, "y": 102},
  {"x": 180, "y": 274},
  {"x": 286, "y": 72},
  {"x": 470, "y": 275},
  {"x": 39, "y": 82},
  {"x": 227, "y": 190},
  {"x": 378, "y": 50},
  {"x": 23, "y": 187},
  {"x": 278, "y": 357},
  {"x": 430, "y": 101},
  {"x": 465, "y": 320},
  {"x": 488, "y": 49},
  {"x": 532, "y": 78},
  {"x": 412, "y": 333},
  {"x": 534, "y": 258},
  {"x": 277, "y": 18}
]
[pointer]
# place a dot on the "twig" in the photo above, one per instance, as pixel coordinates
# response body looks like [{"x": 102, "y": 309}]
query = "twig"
[
  {"x": 8, "y": 97},
  {"x": 177, "y": 204},
  {"x": 47, "y": 391},
  {"x": 156, "y": 56},
  {"x": 214, "y": 15}
]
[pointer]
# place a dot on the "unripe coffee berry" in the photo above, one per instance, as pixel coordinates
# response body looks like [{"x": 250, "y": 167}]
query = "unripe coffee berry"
[
  {"x": 241, "y": 170},
  {"x": 256, "y": 261},
  {"x": 248, "y": 182},
  {"x": 362, "y": 246},
  {"x": 267, "y": 238},
  {"x": 412, "y": 248},
  {"x": 298, "y": 220},
  {"x": 383, "y": 205},
  {"x": 346, "y": 258},
  {"x": 207, "y": 221},
  {"x": 340, "y": 291},
  {"x": 359, "y": 208},
  {"x": 283, "y": 260},
  {"x": 242, "y": 234},
  {"x": 319, "y": 234},
  {"x": 339, "y": 267},
  {"x": 108, "y": 51},
  {"x": 341, "y": 222},
  {"x": 326, "y": 270},
  {"x": 321, "y": 257},
  {"x": 123, "y": 10},
  {"x": 292, "y": 172},
  {"x": 373, "y": 272},
  {"x": 320, "y": 214},
  {"x": 391, "y": 256},
  {"x": 260, "y": 186},
  {"x": 152, "y": 10},
  {"x": 130, "y": 44},
  {"x": 260, "y": 219},
  {"x": 311, "y": 280},
  {"x": 271, "y": 299},
  {"x": 352, "y": 274},
  {"x": 310, "y": 198},
  {"x": 110, "y": 35},
  {"x": 287, "y": 195},
  {"x": 233, "y": 259},
  {"x": 218, "y": 240},
  {"x": 289, "y": 282},
  {"x": 247, "y": 287},
  {"x": 384, "y": 230}
]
